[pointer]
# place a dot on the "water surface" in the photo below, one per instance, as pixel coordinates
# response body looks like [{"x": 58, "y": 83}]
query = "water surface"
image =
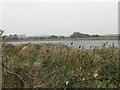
[{"x": 72, "y": 43}]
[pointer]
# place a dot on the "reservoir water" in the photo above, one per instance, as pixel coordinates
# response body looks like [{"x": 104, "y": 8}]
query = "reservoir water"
[{"x": 75, "y": 43}]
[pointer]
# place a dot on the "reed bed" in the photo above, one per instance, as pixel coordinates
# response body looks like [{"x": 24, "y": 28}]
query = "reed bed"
[{"x": 59, "y": 66}]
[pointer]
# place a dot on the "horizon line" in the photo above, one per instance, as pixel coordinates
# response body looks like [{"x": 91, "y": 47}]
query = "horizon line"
[{"x": 60, "y": 34}]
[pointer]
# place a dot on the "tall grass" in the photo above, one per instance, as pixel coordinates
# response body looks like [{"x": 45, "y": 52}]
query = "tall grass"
[{"x": 59, "y": 66}]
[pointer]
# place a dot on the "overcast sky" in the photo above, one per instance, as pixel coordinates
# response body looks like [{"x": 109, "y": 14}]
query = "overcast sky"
[{"x": 59, "y": 18}]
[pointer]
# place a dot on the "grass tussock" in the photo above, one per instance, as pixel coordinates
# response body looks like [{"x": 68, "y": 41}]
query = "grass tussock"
[{"x": 59, "y": 66}]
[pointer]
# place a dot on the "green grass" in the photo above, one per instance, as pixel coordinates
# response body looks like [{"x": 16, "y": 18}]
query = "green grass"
[{"x": 59, "y": 66}]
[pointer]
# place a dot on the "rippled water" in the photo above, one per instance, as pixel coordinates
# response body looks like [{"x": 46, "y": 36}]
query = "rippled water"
[{"x": 76, "y": 43}]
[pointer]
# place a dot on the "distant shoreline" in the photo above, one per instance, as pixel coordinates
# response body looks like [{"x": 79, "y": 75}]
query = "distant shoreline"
[{"x": 65, "y": 39}]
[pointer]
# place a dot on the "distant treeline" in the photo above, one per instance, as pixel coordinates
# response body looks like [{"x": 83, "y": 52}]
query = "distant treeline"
[{"x": 74, "y": 35}]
